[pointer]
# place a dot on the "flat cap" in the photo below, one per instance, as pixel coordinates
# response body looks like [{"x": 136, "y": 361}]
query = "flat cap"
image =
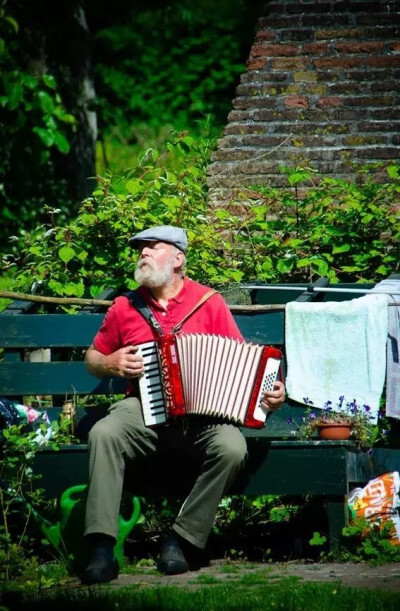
[{"x": 162, "y": 233}]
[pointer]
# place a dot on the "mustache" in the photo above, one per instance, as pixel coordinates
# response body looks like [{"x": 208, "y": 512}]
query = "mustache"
[{"x": 144, "y": 262}]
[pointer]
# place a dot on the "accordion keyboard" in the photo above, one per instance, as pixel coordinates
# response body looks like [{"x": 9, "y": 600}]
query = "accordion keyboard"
[{"x": 150, "y": 385}]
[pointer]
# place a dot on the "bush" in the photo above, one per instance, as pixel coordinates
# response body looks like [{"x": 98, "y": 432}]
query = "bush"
[{"x": 344, "y": 231}]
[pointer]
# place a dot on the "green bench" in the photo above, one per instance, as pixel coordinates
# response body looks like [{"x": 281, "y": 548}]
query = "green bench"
[{"x": 278, "y": 463}]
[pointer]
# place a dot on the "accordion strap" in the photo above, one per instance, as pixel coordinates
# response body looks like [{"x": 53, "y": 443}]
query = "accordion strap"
[
  {"x": 138, "y": 302},
  {"x": 206, "y": 296}
]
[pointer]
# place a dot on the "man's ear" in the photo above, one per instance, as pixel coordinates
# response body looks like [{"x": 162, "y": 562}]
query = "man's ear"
[{"x": 179, "y": 259}]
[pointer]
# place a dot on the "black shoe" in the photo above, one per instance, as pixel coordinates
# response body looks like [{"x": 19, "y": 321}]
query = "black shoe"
[
  {"x": 101, "y": 569},
  {"x": 172, "y": 561},
  {"x": 179, "y": 556}
]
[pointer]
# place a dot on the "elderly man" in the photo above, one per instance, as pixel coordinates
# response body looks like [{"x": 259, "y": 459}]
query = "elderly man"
[{"x": 122, "y": 436}]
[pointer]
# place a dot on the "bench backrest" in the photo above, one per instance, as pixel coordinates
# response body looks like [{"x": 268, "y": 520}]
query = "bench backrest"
[{"x": 67, "y": 336}]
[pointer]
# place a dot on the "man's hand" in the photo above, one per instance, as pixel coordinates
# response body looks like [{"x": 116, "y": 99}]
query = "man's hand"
[
  {"x": 274, "y": 399},
  {"x": 127, "y": 363},
  {"x": 124, "y": 362}
]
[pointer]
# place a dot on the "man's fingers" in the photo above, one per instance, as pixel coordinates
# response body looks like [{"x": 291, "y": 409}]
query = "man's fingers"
[{"x": 130, "y": 349}]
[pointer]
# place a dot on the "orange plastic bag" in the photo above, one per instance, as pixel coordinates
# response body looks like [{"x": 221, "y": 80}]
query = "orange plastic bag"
[{"x": 378, "y": 503}]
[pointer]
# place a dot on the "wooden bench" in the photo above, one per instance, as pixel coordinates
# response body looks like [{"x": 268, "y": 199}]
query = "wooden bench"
[{"x": 278, "y": 463}]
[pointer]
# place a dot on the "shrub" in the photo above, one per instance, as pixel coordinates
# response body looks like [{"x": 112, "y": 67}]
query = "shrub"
[{"x": 345, "y": 231}]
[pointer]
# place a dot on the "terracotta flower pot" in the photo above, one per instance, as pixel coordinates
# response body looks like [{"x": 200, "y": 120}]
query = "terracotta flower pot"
[{"x": 334, "y": 430}]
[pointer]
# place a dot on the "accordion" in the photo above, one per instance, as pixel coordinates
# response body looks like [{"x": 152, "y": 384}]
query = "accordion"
[{"x": 206, "y": 375}]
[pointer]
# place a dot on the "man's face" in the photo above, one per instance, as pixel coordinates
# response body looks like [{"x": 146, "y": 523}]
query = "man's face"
[{"x": 156, "y": 265}]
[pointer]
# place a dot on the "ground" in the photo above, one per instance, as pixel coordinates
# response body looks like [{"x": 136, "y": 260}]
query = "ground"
[{"x": 386, "y": 577}]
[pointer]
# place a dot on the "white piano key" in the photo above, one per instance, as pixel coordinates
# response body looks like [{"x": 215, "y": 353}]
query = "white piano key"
[{"x": 150, "y": 386}]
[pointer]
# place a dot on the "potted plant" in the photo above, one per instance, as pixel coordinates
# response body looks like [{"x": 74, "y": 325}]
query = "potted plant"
[{"x": 340, "y": 421}]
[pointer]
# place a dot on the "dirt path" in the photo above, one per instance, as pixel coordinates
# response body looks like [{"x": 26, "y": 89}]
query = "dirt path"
[{"x": 386, "y": 577}]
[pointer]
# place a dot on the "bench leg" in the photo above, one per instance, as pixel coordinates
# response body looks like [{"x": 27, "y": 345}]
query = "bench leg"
[{"x": 336, "y": 511}]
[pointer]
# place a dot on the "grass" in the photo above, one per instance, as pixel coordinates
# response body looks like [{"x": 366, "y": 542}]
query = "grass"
[{"x": 287, "y": 594}]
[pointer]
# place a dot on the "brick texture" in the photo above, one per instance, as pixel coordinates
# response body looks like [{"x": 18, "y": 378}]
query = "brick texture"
[{"x": 321, "y": 87}]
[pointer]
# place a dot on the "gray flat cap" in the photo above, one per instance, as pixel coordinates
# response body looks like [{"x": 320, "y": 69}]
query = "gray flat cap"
[{"x": 162, "y": 233}]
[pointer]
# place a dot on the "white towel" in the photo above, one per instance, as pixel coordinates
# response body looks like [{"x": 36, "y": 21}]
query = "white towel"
[
  {"x": 336, "y": 349},
  {"x": 392, "y": 285}
]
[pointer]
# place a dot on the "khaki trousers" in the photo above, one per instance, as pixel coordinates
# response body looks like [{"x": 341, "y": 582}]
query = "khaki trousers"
[{"x": 118, "y": 439}]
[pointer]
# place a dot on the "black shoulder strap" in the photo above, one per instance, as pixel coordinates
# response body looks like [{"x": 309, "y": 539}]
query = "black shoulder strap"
[{"x": 144, "y": 310}]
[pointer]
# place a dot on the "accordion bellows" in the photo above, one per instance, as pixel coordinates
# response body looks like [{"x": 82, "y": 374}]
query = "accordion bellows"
[{"x": 206, "y": 375}]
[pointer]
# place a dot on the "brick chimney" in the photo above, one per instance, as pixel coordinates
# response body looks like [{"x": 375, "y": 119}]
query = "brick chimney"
[{"x": 321, "y": 88}]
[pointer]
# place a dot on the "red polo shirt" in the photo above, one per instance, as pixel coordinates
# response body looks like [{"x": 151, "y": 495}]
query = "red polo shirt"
[{"x": 124, "y": 326}]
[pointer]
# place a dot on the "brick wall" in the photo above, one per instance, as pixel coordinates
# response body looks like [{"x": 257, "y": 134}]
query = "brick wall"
[{"x": 322, "y": 87}]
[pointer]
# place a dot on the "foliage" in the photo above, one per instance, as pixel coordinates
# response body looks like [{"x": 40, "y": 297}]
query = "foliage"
[
  {"x": 236, "y": 511},
  {"x": 344, "y": 230},
  {"x": 92, "y": 251},
  {"x": 34, "y": 123},
  {"x": 155, "y": 66},
  {"x": 269, "y": 235},
  {"x": 20, "y": 500},
  {"x": 175, "y": 78},
  {"x": 372, "y": 541},
  {"x": 364, "y": 430},
  {"x": 362, "y": 541}
]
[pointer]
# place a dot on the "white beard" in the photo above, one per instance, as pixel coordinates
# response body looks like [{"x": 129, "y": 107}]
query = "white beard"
[{"x": 148, "y": 274}]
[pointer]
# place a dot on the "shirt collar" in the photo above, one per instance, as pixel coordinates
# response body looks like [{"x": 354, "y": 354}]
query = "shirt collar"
[{"x": 148, "y": 297}]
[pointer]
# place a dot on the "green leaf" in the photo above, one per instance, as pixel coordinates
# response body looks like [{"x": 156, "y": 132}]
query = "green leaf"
[
  {"x": 61, "y": 142},
  {"x": 12, "y": 22},
  {"x": 393, "y": 171},
  {"x": 74, "y": 288},
  {"x": 15, "y": 96},
  {"x": 101, "y": 260},
  {"x": 320, "y": 266},
  {"x": 66, "y": 253},
  {"x": 299, "y": 176},
  {"x": 303, "y": 262},
  {"x": 46, "y": 101},
  {"x": 284, "y": 266},
  {"x": 351, "y": 268},
  {"x": 49, "y": 81},
  {"x": 36, "y": 250},
  {"x": 45, "y": 136},
  {"x": 82, "y": 256},
  {"x": 337, "y": 249},
  {"x": 31, "y": 82},
  {"x": 317, "y": 539},
  {"x": 57, "y": 287},
  {"x": 96, "y": 290}
]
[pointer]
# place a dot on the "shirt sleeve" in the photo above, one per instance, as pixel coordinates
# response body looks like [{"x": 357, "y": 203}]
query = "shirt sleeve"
[{"x": 108, "y": 339}]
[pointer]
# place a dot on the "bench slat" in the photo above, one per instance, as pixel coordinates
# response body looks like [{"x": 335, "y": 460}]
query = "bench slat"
[
  {"x": 49, "y": 330},
  {"x": 54, "y": 378},
  {"x": 262, "y": 328},
  {"x": 302, "y": 468},
  {"x": 273, "y": 467},
  {"x": 77, "y": 330}
]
